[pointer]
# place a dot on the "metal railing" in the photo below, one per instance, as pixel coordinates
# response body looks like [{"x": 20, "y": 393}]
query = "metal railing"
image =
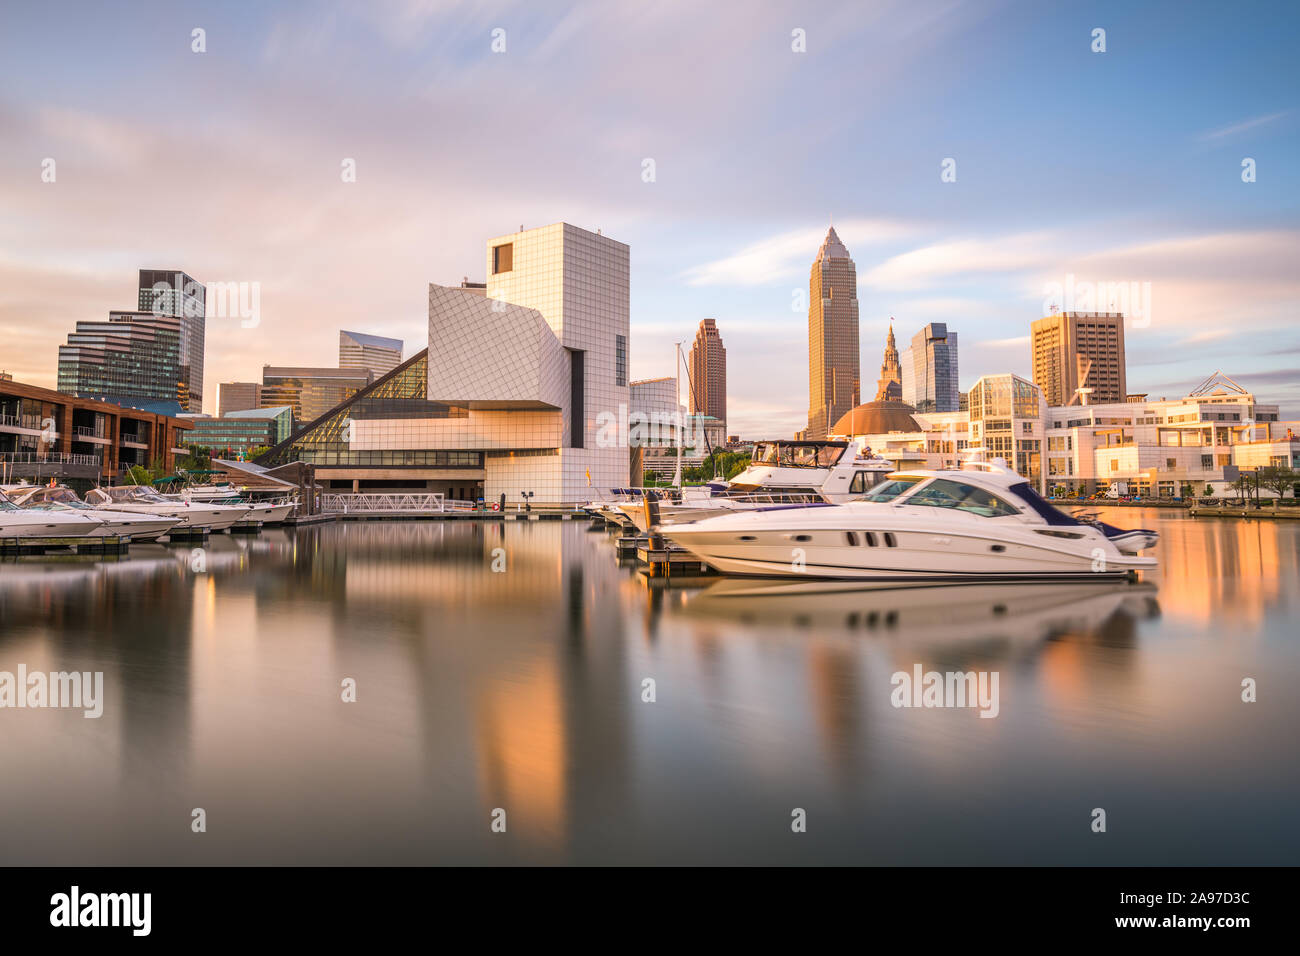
[
  {"x": 87, "y": 432},
  {"x": 370, "y": 503},
  {"x": 22, "y": 421},
  {"x": 53, "y": 458}
]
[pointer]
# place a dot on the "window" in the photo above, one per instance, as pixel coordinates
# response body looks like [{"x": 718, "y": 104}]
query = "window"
[
  {"x": 889, "y": 490},
  {"x": 620, "y": 360},
  {"x": 942, "y": 493},
  {"x": 503, "y": 258},
  {"x": 858, "y": 485},
  {"x": 1207, "y": 462},
  {"x": 577, "y": 399}
]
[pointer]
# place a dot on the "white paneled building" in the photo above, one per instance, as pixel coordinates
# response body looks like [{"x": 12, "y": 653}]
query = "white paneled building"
[
  {"x": 1150, "y": 447},
  {"x": 509, "y": 397}
]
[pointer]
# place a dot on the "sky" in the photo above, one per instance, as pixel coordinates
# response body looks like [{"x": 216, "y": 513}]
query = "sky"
[{"x": 1072, "y": 166}]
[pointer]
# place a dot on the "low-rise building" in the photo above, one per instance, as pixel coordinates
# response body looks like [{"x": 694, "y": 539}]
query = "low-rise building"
[
  {"x": 1201, "y": 442},
  {"x": 47, "y": 434},
  {"x": 236, "y": 434}
]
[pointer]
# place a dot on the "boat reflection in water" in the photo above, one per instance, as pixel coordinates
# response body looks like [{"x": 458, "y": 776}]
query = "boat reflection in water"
[{"x": 1018, "y": 613}]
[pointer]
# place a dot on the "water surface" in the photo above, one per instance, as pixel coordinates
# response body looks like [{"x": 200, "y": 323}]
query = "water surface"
[{"x": 523, "y": 690}]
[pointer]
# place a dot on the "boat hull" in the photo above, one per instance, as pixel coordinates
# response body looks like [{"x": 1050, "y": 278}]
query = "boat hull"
[{"x": 901, "y": 554}]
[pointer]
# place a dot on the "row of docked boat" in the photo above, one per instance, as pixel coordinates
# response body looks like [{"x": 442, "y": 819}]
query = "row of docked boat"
[
  {"x": 979, "y": 522},
  {"x": 137, "y": 512},
  {"x": 780, "y": 473}
]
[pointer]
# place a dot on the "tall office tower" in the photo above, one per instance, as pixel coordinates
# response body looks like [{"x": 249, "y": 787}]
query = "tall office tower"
[
  {"x": 373, "y": 352},
  {"x": 1078, "y": 357},
  {"x": 889, "y": 387},
  {"x": 172, "y": 292},
  {"x": 833, "y": 363},
  {"x": 708, "y": 368},
  {"x": 930, "y": 370},
  {"x": 133, "y": 359},
  {"x": 579, "y": 282},
  {"x": 238, "y": 397}
]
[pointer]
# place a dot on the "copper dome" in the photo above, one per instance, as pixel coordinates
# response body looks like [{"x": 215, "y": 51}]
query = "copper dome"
[{"x": 877, "y": 418}]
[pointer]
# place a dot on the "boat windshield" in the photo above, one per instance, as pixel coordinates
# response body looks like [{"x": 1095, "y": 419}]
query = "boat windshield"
[
  {"x": 797, "y": 455},
  {"x": 54, "y": 496},
  {"x": 943, "y": 493},
  {"x": 891, "y": 489},
  {"x": 127, "y": 493},
  {"x": 6, "y": 504}
]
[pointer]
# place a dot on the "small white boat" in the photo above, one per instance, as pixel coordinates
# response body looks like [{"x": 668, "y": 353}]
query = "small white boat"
[
  {"x": 980, "y": 523},
  {"x": 139, "y": 526},
  {"x": 16, "y": 522},
  {"x": 141, "y": 499}
]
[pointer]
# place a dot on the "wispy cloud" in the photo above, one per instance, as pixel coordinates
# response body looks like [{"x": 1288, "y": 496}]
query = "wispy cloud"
[
  {"x": 790, "y": 254},
  {"x": 1226, "y": 131}
]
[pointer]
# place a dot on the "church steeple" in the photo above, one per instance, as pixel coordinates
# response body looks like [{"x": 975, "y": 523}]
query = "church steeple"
[{"x": 890, "y": 386}]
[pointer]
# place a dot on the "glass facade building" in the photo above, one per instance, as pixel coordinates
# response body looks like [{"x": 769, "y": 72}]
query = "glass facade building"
[
  {"x": 399, "y": 395},
  {"x": 373, "y": 352},
  {"x": 170, "y": 292},
  {"x": 311, "y": 392},
  {"x": 930, "y": 370},
  {"x": 1006, "y": 420},
  {"x": 131, "y": 359}
]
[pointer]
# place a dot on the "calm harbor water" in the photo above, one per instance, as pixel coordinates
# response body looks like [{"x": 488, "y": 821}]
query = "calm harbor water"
[{"x": 523, "y": 689}]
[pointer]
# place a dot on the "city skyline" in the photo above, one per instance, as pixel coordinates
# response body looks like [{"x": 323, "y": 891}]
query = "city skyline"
[{"x": 1149, "y": 192}]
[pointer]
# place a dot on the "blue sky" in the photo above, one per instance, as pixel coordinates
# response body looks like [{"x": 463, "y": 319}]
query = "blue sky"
[{"x": 1116, "y": 167}]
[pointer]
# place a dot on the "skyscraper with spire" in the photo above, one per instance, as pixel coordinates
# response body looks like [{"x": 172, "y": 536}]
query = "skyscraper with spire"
[
  {"x": 889, "y": 387},
  {"x": 834, "y": 370}
]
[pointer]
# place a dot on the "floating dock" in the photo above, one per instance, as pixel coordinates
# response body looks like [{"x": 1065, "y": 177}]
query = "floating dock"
[{"x": 108, "y": 544}]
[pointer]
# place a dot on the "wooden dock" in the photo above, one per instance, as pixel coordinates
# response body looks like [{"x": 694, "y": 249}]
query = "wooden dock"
[
  {"x": 1248, "y": 512},
  {"x": 111, "y": 544}
]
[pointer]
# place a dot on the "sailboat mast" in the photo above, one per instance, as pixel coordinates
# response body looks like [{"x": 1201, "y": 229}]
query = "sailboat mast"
[{"x": 681, "y": 424}]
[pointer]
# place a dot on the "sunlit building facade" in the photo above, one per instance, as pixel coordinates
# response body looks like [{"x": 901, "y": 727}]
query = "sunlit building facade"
[
  {"x": 516, "y": 393},
  {"x": 1198, "y": 444},
  {"x": 834, "y": 365},
  {"x": 374, "y": 352},
  {"x": 310, "y": 392}
]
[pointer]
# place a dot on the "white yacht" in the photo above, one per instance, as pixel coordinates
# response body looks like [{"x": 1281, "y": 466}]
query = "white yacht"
[
  {"x": 16, "y": 522},
  {"x": 781, "y": 472},
  {"x": 979, "y": 523},
  {"x": 142, "y": 499},
  {"x": 263, "y": 512},
  {"x": 139, "y": 526}
]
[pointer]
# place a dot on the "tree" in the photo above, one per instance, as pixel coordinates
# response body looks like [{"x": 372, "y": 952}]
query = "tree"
[
  {"x": 1209, "y": 490},
  {"x": 199, "y": 458},
  {"x": 137, "y": 475},
  {"x": 1277, "y": 479},
  {"x": 1186, "y": 491},
  {"x": 255, "y": 452}
]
